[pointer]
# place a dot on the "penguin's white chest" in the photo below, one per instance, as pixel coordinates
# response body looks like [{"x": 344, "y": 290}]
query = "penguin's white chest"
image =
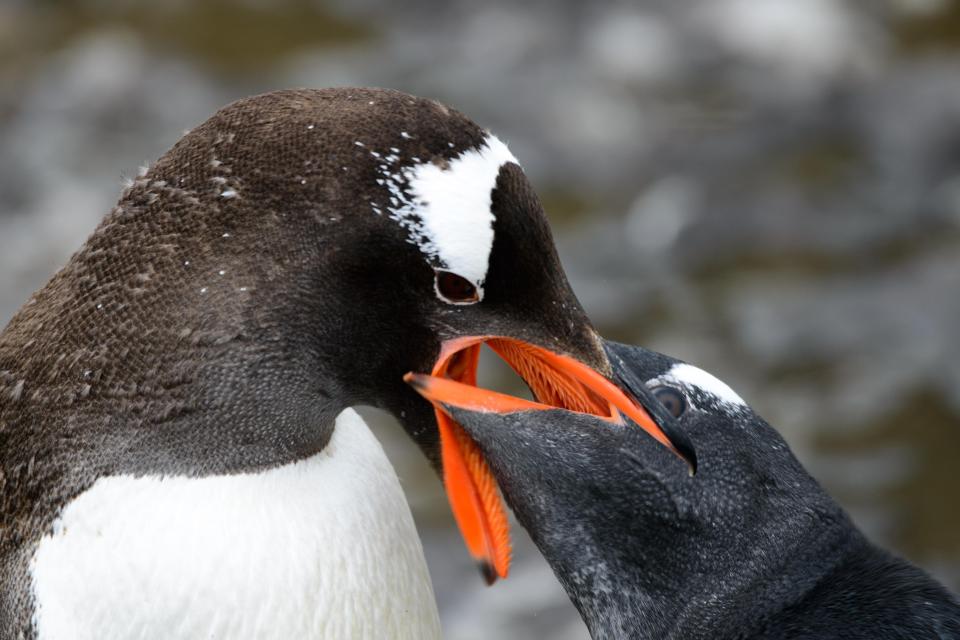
[{"x": 322, "y": 548}]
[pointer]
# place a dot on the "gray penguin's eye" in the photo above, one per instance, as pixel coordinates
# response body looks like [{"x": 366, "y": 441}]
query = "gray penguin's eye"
[{"x": 672, "y": 399}]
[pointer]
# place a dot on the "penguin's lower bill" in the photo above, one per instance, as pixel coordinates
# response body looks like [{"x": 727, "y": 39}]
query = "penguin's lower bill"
[{"x": 557, "y": 381}]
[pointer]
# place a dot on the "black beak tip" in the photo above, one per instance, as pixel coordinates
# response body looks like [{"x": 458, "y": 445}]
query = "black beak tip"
[
  {"x": 683, "y": 445},
  {"x": 636, "y": 387},
  {"x": 488, "y": 572}
]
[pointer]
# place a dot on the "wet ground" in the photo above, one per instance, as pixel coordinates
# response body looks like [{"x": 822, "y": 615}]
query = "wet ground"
[{"x": 769, "y": 190}]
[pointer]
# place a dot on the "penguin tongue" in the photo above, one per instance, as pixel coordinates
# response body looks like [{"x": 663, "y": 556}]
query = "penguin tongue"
[{"x": 557, "y": 381}]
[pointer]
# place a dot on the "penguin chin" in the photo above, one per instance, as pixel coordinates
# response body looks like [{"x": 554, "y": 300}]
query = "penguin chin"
[{"x": 557, "y": 381}]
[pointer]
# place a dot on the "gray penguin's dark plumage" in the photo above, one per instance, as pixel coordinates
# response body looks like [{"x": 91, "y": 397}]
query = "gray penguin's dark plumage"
[{"x": 750, "y": 547}]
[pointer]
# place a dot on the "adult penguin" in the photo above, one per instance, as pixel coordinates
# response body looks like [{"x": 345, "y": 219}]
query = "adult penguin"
[
  {"x": 748, "y": 547},
  {"x": 177, "y": 454}
]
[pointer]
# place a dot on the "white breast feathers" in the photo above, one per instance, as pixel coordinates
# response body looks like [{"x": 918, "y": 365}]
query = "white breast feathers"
[{"x": 322, "y": 548}]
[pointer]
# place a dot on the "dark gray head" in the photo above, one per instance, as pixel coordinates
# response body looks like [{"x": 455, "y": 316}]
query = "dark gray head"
[{"x": 644, "y": 547}]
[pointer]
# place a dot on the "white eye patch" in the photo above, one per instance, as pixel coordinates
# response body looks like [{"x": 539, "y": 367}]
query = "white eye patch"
[
  {"x": 695, "y": 380},
  {"x": 446, "y": 208}
]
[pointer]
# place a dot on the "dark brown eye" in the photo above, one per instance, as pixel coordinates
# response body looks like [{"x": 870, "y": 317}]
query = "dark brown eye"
[
  {"x": 672, "y": 399},
  {"x": 456, "y": 289}
]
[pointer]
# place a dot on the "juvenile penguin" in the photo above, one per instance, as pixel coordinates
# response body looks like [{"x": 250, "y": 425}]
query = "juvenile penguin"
[
  {"x": 178, "y": 458},
  {"x": 747, "y": 547}
]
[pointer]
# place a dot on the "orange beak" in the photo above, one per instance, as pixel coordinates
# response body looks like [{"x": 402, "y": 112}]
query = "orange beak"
[{"x": 557, "y": 381}]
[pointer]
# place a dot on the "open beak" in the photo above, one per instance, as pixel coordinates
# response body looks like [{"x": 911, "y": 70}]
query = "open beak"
[{"x": 557, "y": 381}]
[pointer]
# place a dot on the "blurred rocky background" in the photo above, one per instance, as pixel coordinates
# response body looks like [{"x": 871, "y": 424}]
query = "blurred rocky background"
[{"x": 767, "y": 188}]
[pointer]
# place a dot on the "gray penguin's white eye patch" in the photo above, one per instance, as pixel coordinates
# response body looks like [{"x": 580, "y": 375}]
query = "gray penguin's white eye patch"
[
  {"x": 695, "y": 380},
  {"x": 446, "y": 208}
]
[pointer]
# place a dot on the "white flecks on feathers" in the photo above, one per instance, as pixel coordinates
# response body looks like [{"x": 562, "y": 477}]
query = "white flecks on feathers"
[{"x": 445, "y": 207}]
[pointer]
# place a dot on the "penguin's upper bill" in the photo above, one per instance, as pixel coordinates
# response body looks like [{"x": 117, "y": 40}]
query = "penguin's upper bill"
[{"x": 557, "y": 381}]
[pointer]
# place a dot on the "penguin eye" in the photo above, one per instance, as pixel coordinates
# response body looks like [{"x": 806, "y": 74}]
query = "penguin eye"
[
  {"x": 672, "y": 399},
  {"x": 456, "y": 289}
]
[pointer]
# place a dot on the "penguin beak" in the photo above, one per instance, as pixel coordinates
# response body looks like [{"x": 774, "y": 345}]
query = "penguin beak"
[{"x": 557, "y": 381}]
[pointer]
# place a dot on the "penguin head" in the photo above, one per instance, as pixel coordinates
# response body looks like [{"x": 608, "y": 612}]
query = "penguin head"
[
  {"x": 300, "y": 251},
  {"x": 612, "y": 509}
]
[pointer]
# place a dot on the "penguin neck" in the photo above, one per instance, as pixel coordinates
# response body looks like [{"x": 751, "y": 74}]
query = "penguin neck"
[
  {"x": 221, "y": 356},
  {"x": 701, "y": 589}
]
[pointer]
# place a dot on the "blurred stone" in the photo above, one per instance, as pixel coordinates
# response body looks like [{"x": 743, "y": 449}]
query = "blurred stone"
[{"x": 769, "y": 190}]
